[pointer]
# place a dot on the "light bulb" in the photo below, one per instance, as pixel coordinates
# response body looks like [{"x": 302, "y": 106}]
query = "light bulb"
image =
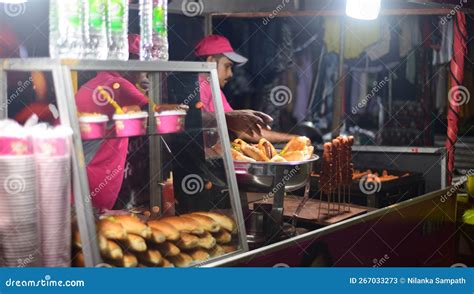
[{"x": 363, "y": 9}]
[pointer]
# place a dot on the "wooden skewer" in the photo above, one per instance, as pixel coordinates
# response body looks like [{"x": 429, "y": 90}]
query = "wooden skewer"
[
  {"x": 320, "y": 201},
  {"x": 339, "y": 199}
]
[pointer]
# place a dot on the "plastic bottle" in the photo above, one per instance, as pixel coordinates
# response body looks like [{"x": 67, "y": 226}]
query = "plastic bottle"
[
  {"x": 146, "y": 27},
  {"x": 153, "y": 29},
  {"x": 117, "y": 29},
  {"x": 95, "y": 34},
  {"x": 66, "y": 29},
  {"x": 160, "y": 30},
  {"x": 53, "y": 29}
]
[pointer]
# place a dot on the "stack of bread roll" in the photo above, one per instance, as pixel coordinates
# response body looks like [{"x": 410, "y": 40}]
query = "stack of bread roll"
[{"x": 178, "y": 241}]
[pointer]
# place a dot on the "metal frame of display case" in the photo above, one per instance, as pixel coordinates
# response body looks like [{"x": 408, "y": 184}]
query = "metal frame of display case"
[{"x": 63, "y": 85}]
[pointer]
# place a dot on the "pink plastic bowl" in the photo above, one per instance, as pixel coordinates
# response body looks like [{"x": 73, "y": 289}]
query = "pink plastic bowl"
[
  {"x": 133, "y": 124},
  {"x": 93, "y": 127},
  {"x": 170, "y": 121}
]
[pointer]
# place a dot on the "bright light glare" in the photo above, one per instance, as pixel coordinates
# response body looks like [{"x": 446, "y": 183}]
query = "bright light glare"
[{"x": 363, "y": 9}]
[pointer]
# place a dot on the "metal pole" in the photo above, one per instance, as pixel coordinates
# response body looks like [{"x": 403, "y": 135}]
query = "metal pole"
[
  {"x": 227, "y": 158},
  {"x": 208, "y": 24},
  {"x": 82, "y": 197},
  {"x": 339, "y": 93},
  {"x": 156, "y": 174},
  {"x": 3, "y": 94}
]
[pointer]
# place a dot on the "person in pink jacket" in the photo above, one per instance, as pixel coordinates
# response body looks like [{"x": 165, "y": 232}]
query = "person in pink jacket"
[{"x": 106, "y": 159}]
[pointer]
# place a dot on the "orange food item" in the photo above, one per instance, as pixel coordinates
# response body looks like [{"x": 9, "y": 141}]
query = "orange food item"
[{"x": 199, "y": 105}]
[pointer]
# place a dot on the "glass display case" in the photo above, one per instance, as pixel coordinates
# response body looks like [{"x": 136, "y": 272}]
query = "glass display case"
[{"x": 171, "y": 153}]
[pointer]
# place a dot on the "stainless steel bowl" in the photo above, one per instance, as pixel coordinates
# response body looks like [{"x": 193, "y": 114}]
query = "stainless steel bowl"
[{"x": 263, "y": 176}]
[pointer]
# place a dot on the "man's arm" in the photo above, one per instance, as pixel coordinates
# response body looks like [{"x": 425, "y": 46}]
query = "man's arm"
[{"x": 272, "y": 136}]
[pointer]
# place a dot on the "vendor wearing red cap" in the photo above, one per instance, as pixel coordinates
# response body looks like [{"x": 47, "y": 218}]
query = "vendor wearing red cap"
[
  {"x": 215, "y": 48},
  {"x": 106, "y": 160}
]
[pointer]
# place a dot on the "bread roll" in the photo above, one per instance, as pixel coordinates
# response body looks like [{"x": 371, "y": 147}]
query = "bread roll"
[
  {"x": 151, "y": 256},
  {"x": 185, "y": 224},
  {"x": 253, "y": 152},
  {"x": 187, "y": 241},
  {"x": 296, "y": 144},
  {"x": 229, "y": 248},
  {"x": 295, "y": 155},
  {"x": 113, "y": 251},
  {"x": 181, "y": 260},
  {"x": 133, "y": 225},
  {"x": 223, "y": 237},
  {"x": 111, "y": 229},
  {"x": 267, "y": 148},
  {"x": 199, "y": 254},
  {"x": 157, "y": 236},
  {"x": 103, "y": 243},
  {"x": 236, "y": 155},
  {"x": 216, "y": 251},
  {"x": 76, "y": 239},
  {"x": 166, "y": 263},
  {"x": 168, "y": 249},
  {"x": 135, "y": 243},
  {"x": 206, "y": 241},
  {"x": 129, "y": 260},
  {"x": 170, "y": 232},
  {"x": 223, "y": 220},
  {"x": 278, "y": 158},
  {"x": 206, "y": 222}
]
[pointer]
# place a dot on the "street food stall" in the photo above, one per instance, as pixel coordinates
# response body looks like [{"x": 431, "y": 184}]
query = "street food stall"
[{"x": 191, "y": 194}]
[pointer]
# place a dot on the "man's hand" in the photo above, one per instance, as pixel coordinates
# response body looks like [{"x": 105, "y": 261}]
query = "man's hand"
[
  {"x": 247, "y": 121},
  {"x": 167, "y": 107}
]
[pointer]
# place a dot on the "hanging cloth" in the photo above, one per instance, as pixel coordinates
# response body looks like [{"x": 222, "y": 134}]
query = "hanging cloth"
[
  {"x": 445, "y": 52},
  {"x": 358, "y": 35}
]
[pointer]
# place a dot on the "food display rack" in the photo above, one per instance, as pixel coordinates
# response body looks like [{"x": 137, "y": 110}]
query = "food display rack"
[{"x": 62, "y": 71}]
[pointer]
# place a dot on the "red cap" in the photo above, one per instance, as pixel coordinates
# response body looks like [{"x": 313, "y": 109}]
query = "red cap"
[
  {"x": 134, "y": 44},
  {"x": 215, "y": 44}
]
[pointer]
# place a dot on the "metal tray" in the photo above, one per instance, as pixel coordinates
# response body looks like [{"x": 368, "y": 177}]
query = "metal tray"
[{"x": 263, "y": 176}]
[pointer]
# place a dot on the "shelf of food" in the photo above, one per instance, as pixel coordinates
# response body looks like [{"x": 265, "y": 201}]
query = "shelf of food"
[
  {"x": 131, "y": 240},
  {"x": 199, "y": 238}
]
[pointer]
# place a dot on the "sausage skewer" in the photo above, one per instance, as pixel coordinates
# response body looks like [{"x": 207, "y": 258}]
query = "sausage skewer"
[
  {"x": 324, "y": 179},
  {"x": 350, "y": 167}
]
